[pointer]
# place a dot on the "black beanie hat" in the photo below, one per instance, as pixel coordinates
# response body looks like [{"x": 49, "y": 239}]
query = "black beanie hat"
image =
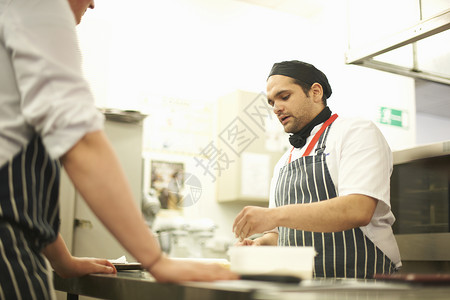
[{"x": 303, "y": 72}]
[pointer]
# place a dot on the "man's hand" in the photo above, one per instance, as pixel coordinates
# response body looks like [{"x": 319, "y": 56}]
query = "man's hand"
[
  {"x": 169, "y": 270},
  {"x": 248, "y": 242},
  {"x": 269, "y": 238},
  {"x": 66, "y": 265},
  {"x": 80, "y": 266},
  {"x": 253, "y": 219}
]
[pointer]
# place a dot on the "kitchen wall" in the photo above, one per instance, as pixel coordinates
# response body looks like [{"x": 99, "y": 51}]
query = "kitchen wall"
[
  {"x": 433, "y": 112},
  {"x": 376, "y": 24},
  {"x": 199, "y": 50},
  {"x": 432, "y": 129}
]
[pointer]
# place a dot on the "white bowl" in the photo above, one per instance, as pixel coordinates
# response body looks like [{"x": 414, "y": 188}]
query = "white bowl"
[{"x": 272, "y": 260}]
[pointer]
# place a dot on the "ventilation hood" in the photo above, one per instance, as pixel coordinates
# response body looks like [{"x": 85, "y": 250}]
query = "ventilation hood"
[{"x": 420, "y": 51}]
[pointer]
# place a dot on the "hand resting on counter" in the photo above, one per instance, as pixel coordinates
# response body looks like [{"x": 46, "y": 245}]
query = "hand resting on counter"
[
  {"x": 66, "y": 265},
  {"x": 170, "y": 270}
]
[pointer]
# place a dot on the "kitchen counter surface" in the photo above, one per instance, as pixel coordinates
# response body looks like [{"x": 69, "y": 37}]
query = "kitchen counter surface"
[{"x": 140, "y": 285}]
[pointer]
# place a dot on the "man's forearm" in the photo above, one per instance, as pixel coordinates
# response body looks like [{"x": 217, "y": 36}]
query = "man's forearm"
[
  {"x": 57, "y": 252},
  {"x": 337, "y": 214}
]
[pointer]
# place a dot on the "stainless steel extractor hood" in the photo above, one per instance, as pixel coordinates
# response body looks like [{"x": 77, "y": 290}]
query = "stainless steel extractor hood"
[{"x": 424, "y": 44}]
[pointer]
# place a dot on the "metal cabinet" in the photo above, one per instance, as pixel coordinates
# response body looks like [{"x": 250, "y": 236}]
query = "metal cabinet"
[{"x": 84, "y": 234}]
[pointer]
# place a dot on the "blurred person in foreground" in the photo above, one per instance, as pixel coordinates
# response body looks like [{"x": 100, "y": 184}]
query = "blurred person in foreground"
[{"x": 48, "y": 119}]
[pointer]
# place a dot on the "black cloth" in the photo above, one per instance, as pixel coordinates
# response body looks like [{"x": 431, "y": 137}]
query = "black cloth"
[
  {"x": 298, "y": 139},
  {"x": 303, "y": 72}
]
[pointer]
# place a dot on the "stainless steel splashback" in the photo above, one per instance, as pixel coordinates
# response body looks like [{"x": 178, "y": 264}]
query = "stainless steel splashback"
[{"x": 421, "y": 152}]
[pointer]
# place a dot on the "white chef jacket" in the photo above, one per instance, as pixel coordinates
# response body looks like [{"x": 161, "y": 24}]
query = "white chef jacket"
[
  {"x": 360, "y": 162},
  {"x": 42, "y": 89}
]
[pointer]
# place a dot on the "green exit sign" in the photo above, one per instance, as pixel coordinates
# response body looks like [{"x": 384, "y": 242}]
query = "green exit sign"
[{"x": 393, "y": 117}]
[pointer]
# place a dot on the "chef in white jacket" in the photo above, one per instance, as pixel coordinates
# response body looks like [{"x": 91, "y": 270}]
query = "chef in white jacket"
[{"x": 331, "y": 190}]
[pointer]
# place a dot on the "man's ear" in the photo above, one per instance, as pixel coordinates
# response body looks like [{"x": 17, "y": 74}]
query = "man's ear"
[{"x": 316, "y": 92}]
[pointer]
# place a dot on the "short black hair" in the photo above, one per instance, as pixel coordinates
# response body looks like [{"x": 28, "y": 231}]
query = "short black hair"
[
  {"x": 304, "y": 74},
  {"x": 307, "y": 87}
]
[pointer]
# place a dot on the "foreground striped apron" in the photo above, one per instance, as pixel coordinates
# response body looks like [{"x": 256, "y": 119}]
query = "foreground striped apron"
[
  {"x": 345, "y": 254},
  {"x": 29, "y": 220}
]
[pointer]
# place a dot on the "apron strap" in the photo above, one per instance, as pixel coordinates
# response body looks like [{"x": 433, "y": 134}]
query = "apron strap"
[
  {"x": 315, "y": 138},
  {"x": 318, "y": 134}
]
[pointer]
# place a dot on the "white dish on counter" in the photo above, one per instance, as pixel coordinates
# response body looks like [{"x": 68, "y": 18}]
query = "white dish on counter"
[
  {"x": 221, "y": 261},
  {"x": 272, "y": 260}
]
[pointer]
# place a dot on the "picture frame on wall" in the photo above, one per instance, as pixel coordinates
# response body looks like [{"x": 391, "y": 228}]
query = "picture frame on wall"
[{"x": 166, "y": 180}]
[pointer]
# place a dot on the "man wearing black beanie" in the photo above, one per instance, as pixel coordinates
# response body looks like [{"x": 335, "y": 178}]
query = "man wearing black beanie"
[{"x": 331, "y": 190}]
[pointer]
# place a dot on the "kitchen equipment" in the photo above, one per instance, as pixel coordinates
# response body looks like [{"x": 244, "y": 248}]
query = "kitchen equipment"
[
  {"x": 420, "y": 199},
  {"x": 179, "y": 237},
  {"x": 150, "y": 206},
  {"x": 128, "y": 266},
  {"x": 180, "y": 243},
  {"x": 170, "y": 230},
  {"x": 165, "y": 241},
  {"x": 272, "y": 260},
  {"x": 200, "y": 232}
]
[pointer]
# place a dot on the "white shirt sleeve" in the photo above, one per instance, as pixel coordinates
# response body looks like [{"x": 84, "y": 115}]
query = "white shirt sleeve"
[
  {"x": 364, "y": 161},
  {"x": 55, "y": 98}
]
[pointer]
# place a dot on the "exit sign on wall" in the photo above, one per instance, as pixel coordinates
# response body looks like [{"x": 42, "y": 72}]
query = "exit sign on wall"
[{"x": 393, "y": 117}]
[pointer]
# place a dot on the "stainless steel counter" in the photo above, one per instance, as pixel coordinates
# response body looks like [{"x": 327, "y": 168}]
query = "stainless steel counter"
[{"x": 139, "y": 285}]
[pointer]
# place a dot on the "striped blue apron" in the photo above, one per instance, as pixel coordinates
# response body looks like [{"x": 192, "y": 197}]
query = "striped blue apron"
[
  {"x": 345, "y": 254},
  {"x": 29, "y": 220}
]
